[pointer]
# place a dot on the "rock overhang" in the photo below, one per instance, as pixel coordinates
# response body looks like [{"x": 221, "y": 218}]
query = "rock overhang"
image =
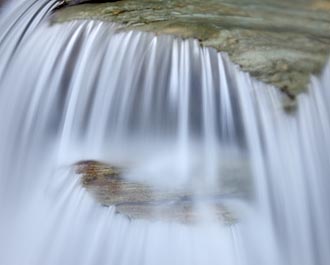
[{"x": 277, "y": 42}]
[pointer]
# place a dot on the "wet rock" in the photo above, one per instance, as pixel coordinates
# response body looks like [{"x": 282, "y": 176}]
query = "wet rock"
[
  {"x": 77, "y": 2},
  {"x": 142, "y": 201},
  {"x": 278, "y": 42}
]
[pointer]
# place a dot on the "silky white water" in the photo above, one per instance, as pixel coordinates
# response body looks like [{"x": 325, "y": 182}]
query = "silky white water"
[{"x": 176, "y": 114}]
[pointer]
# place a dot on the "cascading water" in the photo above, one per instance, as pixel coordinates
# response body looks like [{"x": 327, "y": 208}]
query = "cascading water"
[{"x": 177, "y": 114}]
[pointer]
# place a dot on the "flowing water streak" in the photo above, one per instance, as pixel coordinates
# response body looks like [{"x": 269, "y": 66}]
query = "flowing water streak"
[
  {"x": 87, "y": 92},
  {"x": 56, "y": 120},
  {"x": 17, "y": 22}
]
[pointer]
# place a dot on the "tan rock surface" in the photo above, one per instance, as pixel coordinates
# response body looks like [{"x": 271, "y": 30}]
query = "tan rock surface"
[{"x": 141, "y": 201}]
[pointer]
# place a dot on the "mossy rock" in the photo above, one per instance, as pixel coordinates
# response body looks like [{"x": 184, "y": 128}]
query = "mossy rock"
[{"x": 278, "y": 42}]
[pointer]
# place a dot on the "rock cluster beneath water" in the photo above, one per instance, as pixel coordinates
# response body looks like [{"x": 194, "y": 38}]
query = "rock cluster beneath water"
[
  {"x": 141, "y": 201},
  {"x": 278, "y": 42}
]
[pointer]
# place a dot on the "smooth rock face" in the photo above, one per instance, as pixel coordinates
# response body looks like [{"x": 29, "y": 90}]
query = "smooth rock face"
[
  {"x": 141, "y": 201},
  {"x": 278, "y": 42}
]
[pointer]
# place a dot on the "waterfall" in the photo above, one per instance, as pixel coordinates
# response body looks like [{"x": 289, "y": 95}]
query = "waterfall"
[
  {"x": 17, "y": 23},
  {"x": 174, "y": 112}
]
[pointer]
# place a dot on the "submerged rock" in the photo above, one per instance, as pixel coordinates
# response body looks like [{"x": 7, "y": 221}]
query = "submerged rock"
[
  {"x": 278, "y": 42},
  {"x": 142, "y": 201}
]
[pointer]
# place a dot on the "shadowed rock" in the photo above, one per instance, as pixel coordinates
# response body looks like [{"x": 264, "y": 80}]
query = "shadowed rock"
[{"x": 141, "y": 201}]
